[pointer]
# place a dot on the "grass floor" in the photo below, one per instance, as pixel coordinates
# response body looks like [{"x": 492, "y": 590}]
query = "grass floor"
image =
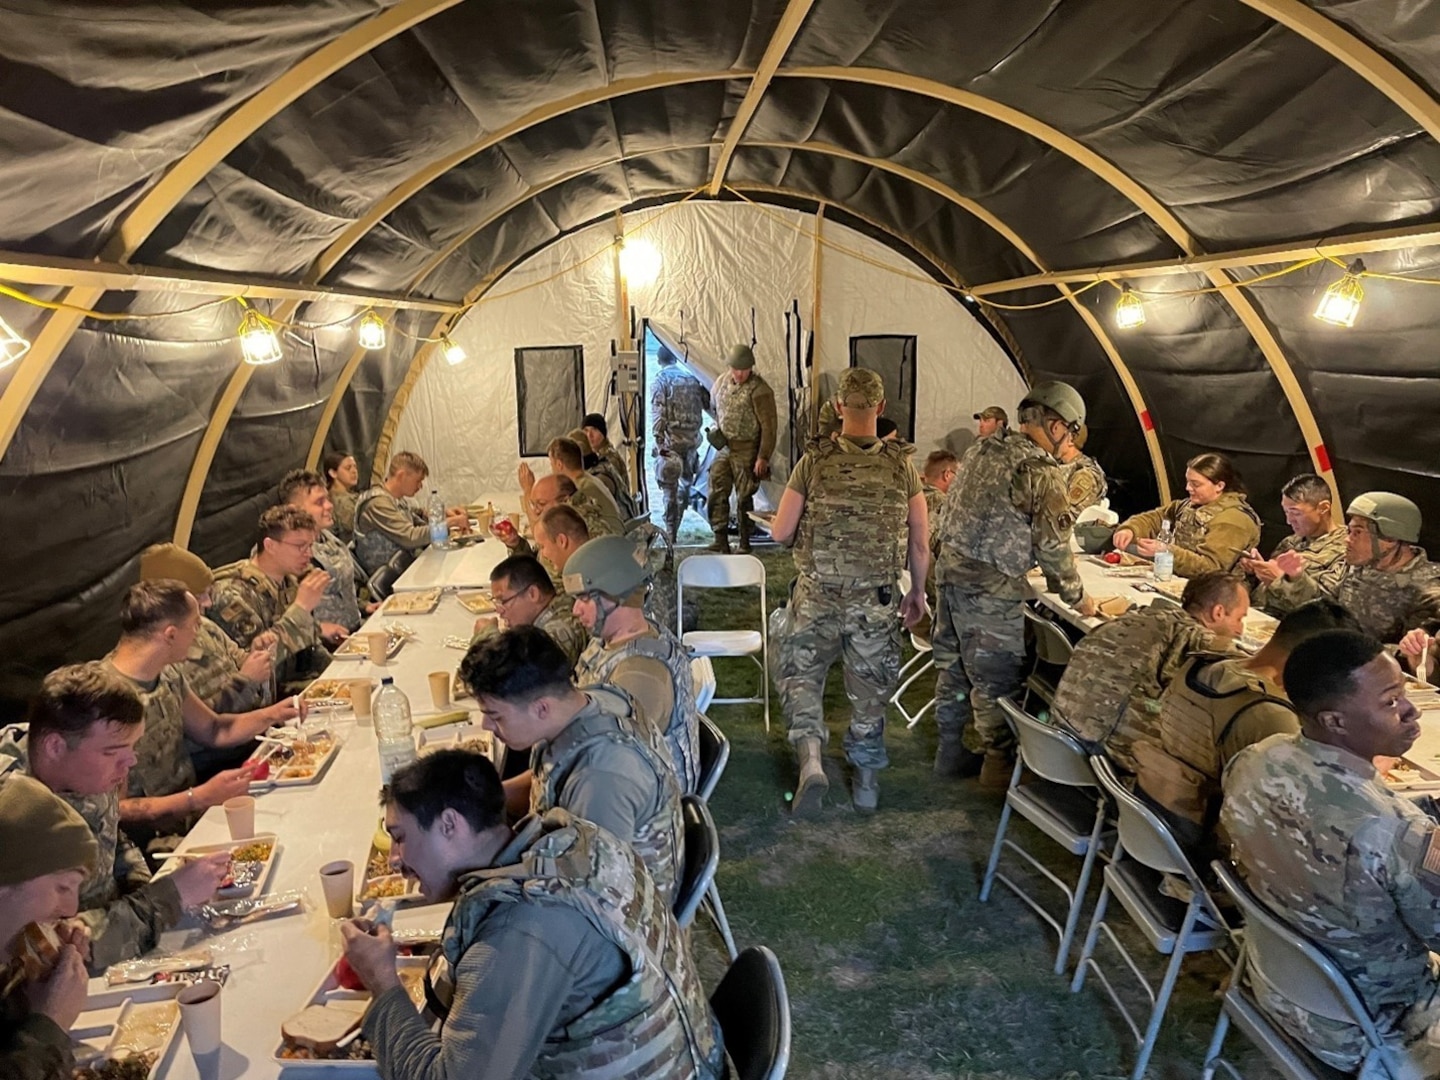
[{"x": 894, "y": 967}]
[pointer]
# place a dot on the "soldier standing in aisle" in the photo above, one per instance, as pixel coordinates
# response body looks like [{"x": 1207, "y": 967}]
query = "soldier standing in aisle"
[
  {"x": 744, "y": 408},
  {"x": 1008, "y": 510},
  {"x": 847, "y": 500},
  {"x": 677, "y": 409}
]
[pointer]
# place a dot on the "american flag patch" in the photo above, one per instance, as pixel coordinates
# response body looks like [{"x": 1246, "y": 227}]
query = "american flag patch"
[{"x": 1430, "y": 864}]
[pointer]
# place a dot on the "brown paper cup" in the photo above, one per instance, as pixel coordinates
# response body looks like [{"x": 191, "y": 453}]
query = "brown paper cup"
[
  {"x": 440, "y": 690},
  {"x": 337, "y": 881},
  {"x": 240, "y": 816},
  {"x": 360, "y": 699},
  {"x": 200, "y": 1016},
  {"x": 514, "y": 520},
  {"x": 379, "y": 642}
]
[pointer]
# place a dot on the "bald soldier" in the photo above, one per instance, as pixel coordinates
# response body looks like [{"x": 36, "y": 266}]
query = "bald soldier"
[
  {"x": 744, "y": 437},
  {"x": 1333, "y": 852},
  {"x": 1386, "y": 570},
  {"x": 847, "y": 500}
]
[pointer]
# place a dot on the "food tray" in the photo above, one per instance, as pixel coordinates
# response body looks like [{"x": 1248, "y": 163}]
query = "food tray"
[
  {"x": 412, "y": 974},
  {"x": 477, "y": 602},
  {"x": 357, "y": 646},
  {"x": 380, "y": 882},
  {"x": 334, "y": 693},
  {"x": 257, "y": 882},
  {"x": 101, "y": 1028},
  {"x": 468, "y": 736},
  {"x": 421, "y": 602},
  {"x": 1409, "y": 775},
  {"x": 301, "y": 762}
]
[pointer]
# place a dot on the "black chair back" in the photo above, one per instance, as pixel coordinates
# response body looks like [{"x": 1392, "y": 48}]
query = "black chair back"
[
  {"x": 754, "y": 1014},
  {"x": 700, "y": 860}
]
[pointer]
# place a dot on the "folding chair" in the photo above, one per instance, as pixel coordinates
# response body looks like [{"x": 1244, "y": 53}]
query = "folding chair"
[
  {"x": 1052, "y": 655},
  {"x": 1065, "y": 804},
  {"x": 697, "y": 873},
  {"x": 714, "y": 756},
  {"x": 1144, "y": 853},
  {"x": 1301, "y": 972},
  {"x": 728, "y": 572},
  {"x": 702, "y": 677},
  {"x": 754, "y": 1014},
  {"x": 922, "y": 662},
  {"x": 382, "y": 582}
]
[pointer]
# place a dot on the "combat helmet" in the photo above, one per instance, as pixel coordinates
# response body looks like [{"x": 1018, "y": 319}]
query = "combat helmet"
[
  {"x": 1060, "y": 398},
  {"x": 742, "y": 357},
  {"x": 1394, "y": 516},
  {"x": 613, "y": 565}
]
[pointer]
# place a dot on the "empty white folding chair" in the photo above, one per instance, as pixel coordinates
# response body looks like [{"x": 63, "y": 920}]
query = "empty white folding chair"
[
  {"x": 1144, "y": 854},
  {"x": 1065, "y": 804},
  {"x": 728, "y": 572},
  {"x": 915, "y": 668}
]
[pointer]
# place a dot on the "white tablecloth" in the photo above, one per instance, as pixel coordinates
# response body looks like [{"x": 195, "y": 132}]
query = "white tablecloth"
[{"x": 465, "y": 566}]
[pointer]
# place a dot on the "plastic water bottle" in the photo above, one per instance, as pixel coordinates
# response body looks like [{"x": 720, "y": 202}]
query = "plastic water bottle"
[
  {"x": 393, "y": 729},
  {"x": 1164, "y": 557},
  {"x": 439, "y": 529}
]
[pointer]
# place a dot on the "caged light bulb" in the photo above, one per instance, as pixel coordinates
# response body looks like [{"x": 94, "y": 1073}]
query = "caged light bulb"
[
  {"x": 258, "y": 341},
  {"x": 371, "y": 332},
  {"x": 12, "y": 345},
  {"x": 1341, "y": 303},
  {"x": 1129, "y": 310},
  {"x": 453, "y": 353}
]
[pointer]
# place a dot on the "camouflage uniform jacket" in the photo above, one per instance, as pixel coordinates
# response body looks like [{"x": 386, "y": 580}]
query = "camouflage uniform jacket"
[
  {"x": 1209, "y": 537},
  {"x": 32, "y": 1046},
  {"x": 212, "y": 670},
  {"x": 558, "y": 620},
  {"x": 857, "y": 493},
  {"x": 1008, "y": 508},
  {"x": 247, "y": 603},
  {"x": 1110, "y": 692},
  {"x": 1085, "y": 483},
  {"x": 162, "y": 766},
  {"x": 592, "y": 502},
  {"x": 678, "y": 402},
  {"x": 341, "y": 603},
  {"x": 344, "y": 526},
  {"x": 934, "y": 509},
  {"x": 657, "y": 1022},
  {"x": 384, "y": 526},
  {"x": 745, "y": 411},
  {"x": 1384, "y": 602},
  {"x": 609, "y": 453},
  {"x": 1324, "y": 559},
  {"x": 681, "y": 728},
  {"x": 124, "y": 910},
  {"x": 1347, "y": 862},
  {"x": 612, "y": 479},
  {"x": 612, "y": 768}
]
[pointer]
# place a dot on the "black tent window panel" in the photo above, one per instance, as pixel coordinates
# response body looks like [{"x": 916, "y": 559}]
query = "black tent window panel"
[
  {"x": 549, "y": 395},
  {"x": 892, "y": 356}
]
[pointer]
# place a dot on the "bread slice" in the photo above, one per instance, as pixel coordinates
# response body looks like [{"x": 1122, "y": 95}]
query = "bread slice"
[{"x": 318, "y": 1028}]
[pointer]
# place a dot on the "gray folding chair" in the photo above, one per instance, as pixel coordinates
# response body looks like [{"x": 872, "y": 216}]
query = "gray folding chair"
[
  {"x": 1144, "y": 853},
  {"x": 753, "y": 1010},
  {"x": 1052, "y": 651},
  {"x": 1065, "y": 804},
  {"x": 1303, "y": 974}
]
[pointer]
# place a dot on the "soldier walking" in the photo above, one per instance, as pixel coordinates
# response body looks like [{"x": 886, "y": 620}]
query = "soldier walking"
[
  {"x": 744, "y": 408},
  {"x": 847, "y": 500},
  {"x": 677, "y": 408}
]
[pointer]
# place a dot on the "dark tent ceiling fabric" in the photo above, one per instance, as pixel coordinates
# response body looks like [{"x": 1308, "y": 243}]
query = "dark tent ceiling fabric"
[{"x": 1241, "y": 129}]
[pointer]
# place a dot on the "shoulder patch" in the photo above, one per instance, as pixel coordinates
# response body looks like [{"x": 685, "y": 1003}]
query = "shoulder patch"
[{"x": 1429, "y": 868}]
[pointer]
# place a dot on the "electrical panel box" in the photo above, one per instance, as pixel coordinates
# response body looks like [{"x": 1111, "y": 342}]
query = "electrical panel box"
[{"x": 625, "y": 367}]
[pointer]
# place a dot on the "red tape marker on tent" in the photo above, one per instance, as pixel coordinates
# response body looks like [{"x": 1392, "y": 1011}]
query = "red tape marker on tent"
[{"x": 1322, "y": 457}]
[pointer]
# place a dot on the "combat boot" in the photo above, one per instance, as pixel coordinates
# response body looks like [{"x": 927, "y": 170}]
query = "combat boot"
[
  {"x": 996, "y": 771},
  {"x": 810, "y": 791},
  {"x": 744, "y": 543},
  {"x": 954, "y": 760},
  {"x": 721, "y": 542},
  {"x": 865, "y": 789}
]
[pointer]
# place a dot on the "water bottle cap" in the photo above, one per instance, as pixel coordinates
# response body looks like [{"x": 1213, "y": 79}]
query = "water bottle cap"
[{"x": 388, "y": 680}]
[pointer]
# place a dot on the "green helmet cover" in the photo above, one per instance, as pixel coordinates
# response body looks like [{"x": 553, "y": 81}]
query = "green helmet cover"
[
  {"x": 613, "y": 565},
  {"x": 1394, "y": 516}
]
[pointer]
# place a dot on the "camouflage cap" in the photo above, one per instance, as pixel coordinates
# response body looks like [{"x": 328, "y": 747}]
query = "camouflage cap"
[
  {"x": 170, "y": 561},
  {"x": 993, "y": 412},
  {"x": 614, "y": 565},
  {"x": 1396, "y": 517},
  {"x": 742, "y": 357},
  {"x": 861, "y": 388}
]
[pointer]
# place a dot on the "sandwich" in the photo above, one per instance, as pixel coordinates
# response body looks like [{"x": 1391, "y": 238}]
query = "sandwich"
[{"x": 39, "y": 951}]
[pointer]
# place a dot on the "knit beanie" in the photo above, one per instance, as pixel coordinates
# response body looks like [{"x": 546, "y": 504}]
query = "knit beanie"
[
  {"x": 40, "y": 833},
  {"x": 169, "y": 561}
]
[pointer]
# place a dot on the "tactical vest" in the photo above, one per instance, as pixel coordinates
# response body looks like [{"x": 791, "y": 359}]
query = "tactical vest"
[
  {"x": 609, "y": 476},
  {"x": 1193, "y": 522},
  {"x": 373, "y": 549},
  {"x": 1382, "y": 600},
  {"x": 682, "y": 733},
  {"x": 982, "y": 523},
  {"x": 611, "y": 716},
  {"x": 855, "y": 507},
  {"x": 679, "y": 402},
  {"x": 735, "y": 412},
  {"x": 656, "y": 1023}
]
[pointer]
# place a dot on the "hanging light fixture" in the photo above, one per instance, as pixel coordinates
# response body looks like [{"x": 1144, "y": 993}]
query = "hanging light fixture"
[
  {"x": 639, "y": 262},
  {"x": 1129, "y": 310},
  {"x": 258, "y": 341},
  {"x": 12, "y": 345},
  {"x": 453, "y": 353},
  {"x": 1341, "y": 302},
  {"x": 371, "y": 331}
]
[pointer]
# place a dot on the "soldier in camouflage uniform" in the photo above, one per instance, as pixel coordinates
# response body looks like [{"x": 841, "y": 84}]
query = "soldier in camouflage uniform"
[
  {"x": 744, "y": 435},
  {"x": 342, "y": 476},
  {"x": 1085, "y": 482},
  {"x": 846, "y": 502},
  {"x": 1387, "y": 572},
  {"x": 277, "y": 590},
  {"x": 387, "y": 523},
  {"x": 991, "y": 420},
  {"x": 1008, "y": 509},
  {"x": 1214, "y": 527},
  {"x": 590, "y": 751},
  {"x": 678, "y": 402},
  {"x": 1110, "y": 693},
  {"x": 604, "y": 462},
  {"x": 80, "y": 741},
  {"x": 1315, "y": 547},
  {"x": 338, "y": 611},
  {"x": 607, "y": 579},
  {"x": 1344, "y": 860},
  {"x": 525, "y": 596},
  {"x": 559, "y": 958},
  {"x": 590, "y": 498}
]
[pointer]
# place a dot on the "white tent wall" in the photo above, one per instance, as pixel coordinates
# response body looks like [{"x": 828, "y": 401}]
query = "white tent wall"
[{"x": 719, "y": 260}]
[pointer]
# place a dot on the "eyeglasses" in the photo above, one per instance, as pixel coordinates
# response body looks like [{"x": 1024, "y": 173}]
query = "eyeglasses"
[
  {"x": 305, "y": 547},
  {"x": 506, "y": 601}
]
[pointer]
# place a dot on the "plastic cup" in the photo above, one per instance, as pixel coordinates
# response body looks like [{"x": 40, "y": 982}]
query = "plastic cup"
[
  {"x": 379, "y": 645},
  {"x": 240, "y": 816},
  {"x": 360, "y": 690},
  {"x": 514, "y": 520},
  {"x": 440, "y": 690},
  {"x": 200, "y": 1016},
  {"x": 337, "y": 881}
]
